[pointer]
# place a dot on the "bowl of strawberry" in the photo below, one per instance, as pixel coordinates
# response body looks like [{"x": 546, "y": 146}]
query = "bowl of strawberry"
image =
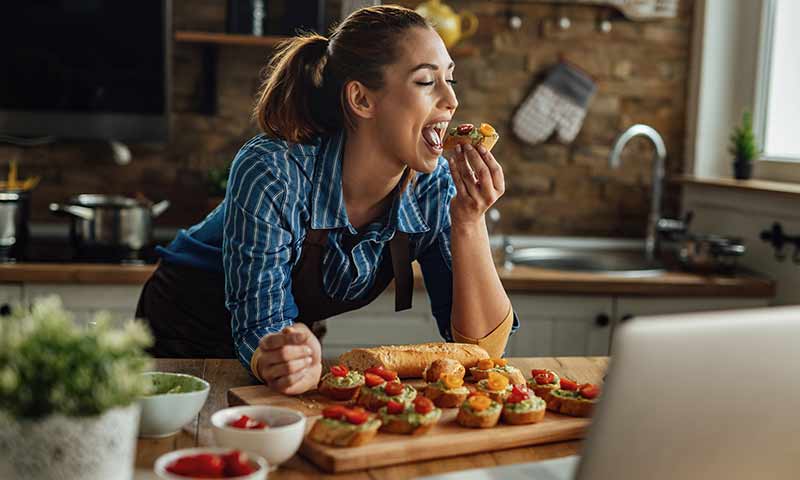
[
  {"x": 272, "y": 432},
  {"x": 211, "y": 463}
]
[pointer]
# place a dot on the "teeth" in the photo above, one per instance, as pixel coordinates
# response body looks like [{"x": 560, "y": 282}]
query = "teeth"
[{"x": 438, "y": 125}]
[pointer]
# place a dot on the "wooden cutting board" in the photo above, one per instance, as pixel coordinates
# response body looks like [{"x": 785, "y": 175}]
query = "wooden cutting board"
[{"x": 447, "y": 438}]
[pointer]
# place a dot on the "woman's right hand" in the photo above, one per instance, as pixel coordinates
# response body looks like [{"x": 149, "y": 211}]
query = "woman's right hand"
[{"x": 291, "y": 360}]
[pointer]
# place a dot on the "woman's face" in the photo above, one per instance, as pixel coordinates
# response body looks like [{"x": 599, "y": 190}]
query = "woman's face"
[{"x": 417, "y": 102}]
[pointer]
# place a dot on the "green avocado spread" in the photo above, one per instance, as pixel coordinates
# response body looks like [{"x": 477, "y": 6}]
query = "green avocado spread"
[
  {"x": 352, "y": 379},
  {"x": 411, "y": 416}
]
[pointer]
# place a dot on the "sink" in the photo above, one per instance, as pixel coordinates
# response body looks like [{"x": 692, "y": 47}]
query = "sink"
[{"x": 617, "y": 262}]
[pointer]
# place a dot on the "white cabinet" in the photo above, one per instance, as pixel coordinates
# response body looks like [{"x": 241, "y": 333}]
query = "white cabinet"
[
  {"x": 379, "y": 324},
  {"x": 561, "y": 325},
  {"x": 85, "y": 300}
]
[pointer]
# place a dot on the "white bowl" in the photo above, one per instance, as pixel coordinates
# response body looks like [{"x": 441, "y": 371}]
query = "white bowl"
[
  {"x": 164, "y": 414},
  {"x": 160, "y": 466},
  {"x": 277, "y": 443}
]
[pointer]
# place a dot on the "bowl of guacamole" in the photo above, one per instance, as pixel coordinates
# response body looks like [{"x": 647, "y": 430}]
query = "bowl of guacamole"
[{"x": 172, "y": 401}]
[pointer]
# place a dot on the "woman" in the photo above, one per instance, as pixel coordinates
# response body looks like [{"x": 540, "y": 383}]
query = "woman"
[{"x": 345, "y": 187}]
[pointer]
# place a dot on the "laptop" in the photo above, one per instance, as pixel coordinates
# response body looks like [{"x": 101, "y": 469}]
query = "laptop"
[{"x": 692, "y": 396}]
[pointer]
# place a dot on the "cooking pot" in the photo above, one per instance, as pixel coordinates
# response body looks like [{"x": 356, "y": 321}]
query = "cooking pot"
[
  {"x": 110, "y": 221},
  {"x": 14, "y": 214}
]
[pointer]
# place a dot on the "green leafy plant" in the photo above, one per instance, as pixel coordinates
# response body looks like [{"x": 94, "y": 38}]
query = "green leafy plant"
[
  {"x": 49, "y": 364},
  {"x": 743, "y": 141}
]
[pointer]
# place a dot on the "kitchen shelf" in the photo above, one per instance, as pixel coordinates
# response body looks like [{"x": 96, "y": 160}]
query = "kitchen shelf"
[
  {"x": 212, "y": 38},
  {"x": 753, "y": 185}
]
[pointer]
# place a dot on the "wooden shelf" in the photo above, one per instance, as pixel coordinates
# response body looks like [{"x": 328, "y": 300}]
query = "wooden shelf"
[
  {"x": 227, "y": 39},
  {"x": 752, "y": 185}
]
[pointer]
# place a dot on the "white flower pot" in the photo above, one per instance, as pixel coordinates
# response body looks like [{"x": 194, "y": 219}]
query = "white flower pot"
[{"x": 58, "y": 447}]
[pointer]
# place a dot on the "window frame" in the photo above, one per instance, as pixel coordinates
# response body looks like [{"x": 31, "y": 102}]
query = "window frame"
[{"x": 775, "y": 167}]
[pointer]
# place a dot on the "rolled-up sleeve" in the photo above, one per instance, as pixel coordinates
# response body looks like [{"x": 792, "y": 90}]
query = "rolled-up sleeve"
[
  {"x": 257, "y": 253},
  {"x": 435, "y": 257}
]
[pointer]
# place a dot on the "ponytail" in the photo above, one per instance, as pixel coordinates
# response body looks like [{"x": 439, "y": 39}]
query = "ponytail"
[
  {"x": 285, "y": 106},
  {"x": 302, "y": 95}
]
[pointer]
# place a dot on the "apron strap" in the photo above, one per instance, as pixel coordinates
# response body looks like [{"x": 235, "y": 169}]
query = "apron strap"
[{"x": 403, "y": 275}]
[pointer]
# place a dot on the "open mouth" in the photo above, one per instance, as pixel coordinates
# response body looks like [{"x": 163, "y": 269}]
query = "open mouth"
[{"x": 433, "y": 135}]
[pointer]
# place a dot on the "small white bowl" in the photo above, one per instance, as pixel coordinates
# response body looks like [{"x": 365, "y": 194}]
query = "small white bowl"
[
  {"x": 163, "y": 461},
  {"x": 165, "y": 414},
  {"x": 277, "y": 443}
]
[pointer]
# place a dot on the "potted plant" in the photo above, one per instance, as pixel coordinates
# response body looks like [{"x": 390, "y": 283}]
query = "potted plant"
[
  {"x": 743, "y": 148},
  {"x": 68, "y": 394}
]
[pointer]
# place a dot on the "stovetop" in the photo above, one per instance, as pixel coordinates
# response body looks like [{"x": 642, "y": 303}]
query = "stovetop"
[{"x": 61, "y": 250}]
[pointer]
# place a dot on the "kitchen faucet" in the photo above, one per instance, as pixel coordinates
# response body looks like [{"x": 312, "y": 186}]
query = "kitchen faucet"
[{"x": 614, "y": 161}]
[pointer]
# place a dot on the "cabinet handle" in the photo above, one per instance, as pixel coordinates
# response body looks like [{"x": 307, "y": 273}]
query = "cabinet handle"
[
  {"x": 602, "y": 320},
  {"x": 5, "y": 310},
  {"x": 626, "y": 317}
]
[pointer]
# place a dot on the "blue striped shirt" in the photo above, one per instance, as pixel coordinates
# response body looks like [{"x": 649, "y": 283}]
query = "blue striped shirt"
[{"x": 276, "y": 191}]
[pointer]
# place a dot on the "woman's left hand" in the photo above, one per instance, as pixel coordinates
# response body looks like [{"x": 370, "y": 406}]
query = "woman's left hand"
[{"x": 479, "y": 183}]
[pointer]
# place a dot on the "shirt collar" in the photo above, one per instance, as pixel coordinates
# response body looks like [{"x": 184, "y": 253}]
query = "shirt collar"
[{"x": 327, "y": 202}]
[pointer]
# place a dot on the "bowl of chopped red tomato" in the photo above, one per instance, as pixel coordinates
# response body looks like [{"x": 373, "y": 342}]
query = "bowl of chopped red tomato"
[
  {"x": 210, "y": 462},
  {"x": 272, "y": 432}
]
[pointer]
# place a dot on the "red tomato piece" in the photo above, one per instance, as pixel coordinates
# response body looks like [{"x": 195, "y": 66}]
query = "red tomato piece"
[
  {"x": 237, "y": 464},
  {"x": 393, "y": 388},
  {"x": 423, "y": 405},
  {"x": 465, "y": 128},
  {"x": 375, "y": 370},
  {"x": 388, "y": 375},
  {"x": 183, "y": 466},
  {"x": 356, "y": 416},
  {"x": 544, "y": 378},
  {"x": 339, "y": 371},
  {"x": 537, "y": 371},
  {"x": 567, "y": 384},
  {"x": 394, "y": 408},
  {"x": 240, "y": 422},
  {"x": 373, "y": 380},
  {"x": 335, "y": 412},
  {"x": 257, "y": 425},
  {"x": 208, "y": 465},
  {"x": 590, "y": 391},
  {"x": 517, "y": 395}
]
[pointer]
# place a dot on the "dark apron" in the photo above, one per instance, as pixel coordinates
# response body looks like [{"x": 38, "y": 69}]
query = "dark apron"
[{"x": 185, "y": 306}]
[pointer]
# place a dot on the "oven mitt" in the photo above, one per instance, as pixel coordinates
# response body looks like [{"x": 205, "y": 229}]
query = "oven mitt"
[{"x": 559, "y": 104}]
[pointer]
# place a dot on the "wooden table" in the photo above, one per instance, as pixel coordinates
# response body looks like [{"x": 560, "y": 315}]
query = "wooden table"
[{"x": 225, "y": 374}]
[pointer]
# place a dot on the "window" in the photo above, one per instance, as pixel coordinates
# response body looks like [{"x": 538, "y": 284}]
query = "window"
[{"x": 777, "y": 109}]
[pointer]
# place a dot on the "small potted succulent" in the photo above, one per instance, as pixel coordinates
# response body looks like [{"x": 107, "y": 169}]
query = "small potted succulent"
[
  {"x": 68, "y": 394},
  {"x": 743, "y": 147}
]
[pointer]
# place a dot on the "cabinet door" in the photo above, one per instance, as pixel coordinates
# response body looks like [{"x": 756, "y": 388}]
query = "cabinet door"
[
  {"x": 86, "y": 300},
  {"x": 628, "y": 307},
  {"x": 553, "y": 325},
  {"x": 378, "y": 324}
]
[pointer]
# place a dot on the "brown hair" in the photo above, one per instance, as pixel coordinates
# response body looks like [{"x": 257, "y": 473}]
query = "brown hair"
[{"x": 303, "y": 94}]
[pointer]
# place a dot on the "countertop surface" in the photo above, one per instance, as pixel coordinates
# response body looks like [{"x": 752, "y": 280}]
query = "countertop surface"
[
  {"x": 521, "y": 279},
  {"x": 224, "y": 374}
]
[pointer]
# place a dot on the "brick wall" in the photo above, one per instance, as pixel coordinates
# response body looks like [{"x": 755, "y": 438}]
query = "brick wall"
[{"x": 640, "y": 70}]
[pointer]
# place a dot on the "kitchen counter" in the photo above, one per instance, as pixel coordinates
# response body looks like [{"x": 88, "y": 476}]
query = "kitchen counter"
[
  {"x": 521, "y": 279},
  {"x": 225, "y": 374}
]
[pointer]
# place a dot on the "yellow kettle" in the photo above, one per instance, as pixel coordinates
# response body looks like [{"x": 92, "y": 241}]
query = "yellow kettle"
[{"x": 451, "y": 26}]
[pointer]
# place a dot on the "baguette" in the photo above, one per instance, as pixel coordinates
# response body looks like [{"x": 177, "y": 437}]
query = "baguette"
[{"x": 411, "y": 360}]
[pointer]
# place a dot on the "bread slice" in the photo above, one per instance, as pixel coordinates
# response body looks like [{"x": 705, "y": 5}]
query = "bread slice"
[
  {"x": 369, "y": 400},
  {"x": 390, "y": 424},
  {"x": 411, "y": 360},
  {"x": 524, "y": 418},
  {"x": 443, "y": 398},
  {"x": 575, "y": 407},
  {"x": 338, "y": 393},
  {"x": 342, "y": 434},
  {"x": 542, "y": 391},
  {"x": 513, "y": 374},
  {"x": 470, "y": 419},
  {"x": 488, "y": 142},
  {"x": 443, "y": 366}
]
